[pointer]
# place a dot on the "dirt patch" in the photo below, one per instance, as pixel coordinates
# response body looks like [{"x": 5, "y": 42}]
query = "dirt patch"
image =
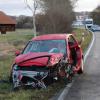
[{"x": 5, "y": 48}]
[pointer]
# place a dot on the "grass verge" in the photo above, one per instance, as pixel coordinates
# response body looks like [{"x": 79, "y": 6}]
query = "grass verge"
[{"x": 17, "y": 40}]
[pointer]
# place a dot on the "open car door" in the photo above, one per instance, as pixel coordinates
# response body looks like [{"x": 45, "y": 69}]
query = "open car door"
[{"x": 76, "y": 55}]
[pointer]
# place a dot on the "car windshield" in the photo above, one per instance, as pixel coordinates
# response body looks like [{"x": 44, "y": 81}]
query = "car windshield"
[{"x": 50, "y": 46}]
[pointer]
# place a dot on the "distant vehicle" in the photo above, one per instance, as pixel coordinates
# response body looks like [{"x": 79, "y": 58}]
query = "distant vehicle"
[
  {"x": 95, "y": 28},
  {"x": 46, "y": 58},
  {"x": 88, "y": 23},
  {"x": 77, "y": 23}
]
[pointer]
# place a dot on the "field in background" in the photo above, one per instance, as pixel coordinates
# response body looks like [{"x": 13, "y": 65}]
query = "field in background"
[{"x": 17, "y": 40}]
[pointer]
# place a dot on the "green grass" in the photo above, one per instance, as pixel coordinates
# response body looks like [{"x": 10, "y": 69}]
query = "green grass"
[
  {"x": 17, "y": 35},
  {"x": 87, "y": 37},
  {"x": 17, "y": 40},
  {"x": 29, "y": 94}
]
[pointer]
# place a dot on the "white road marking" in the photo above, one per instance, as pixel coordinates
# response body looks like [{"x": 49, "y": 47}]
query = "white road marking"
[
  {"x": 67, "y": 88},
  {"x": 65, "y": 91},
  {"x": 89, "y": 48}
]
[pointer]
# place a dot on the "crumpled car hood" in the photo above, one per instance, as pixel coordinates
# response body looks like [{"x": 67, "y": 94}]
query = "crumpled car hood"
[{"x": 38, "y": 59}]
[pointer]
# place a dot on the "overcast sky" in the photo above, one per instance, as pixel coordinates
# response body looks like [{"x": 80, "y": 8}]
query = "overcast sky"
[
  {"x": 18, "y": 7},
  {"x": 86, "y": 5}
]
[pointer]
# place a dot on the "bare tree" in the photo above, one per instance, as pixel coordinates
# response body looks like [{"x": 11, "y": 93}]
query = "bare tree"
[
  {"x": 33, "y": 8},
  {"x": 58, "y": 16}
]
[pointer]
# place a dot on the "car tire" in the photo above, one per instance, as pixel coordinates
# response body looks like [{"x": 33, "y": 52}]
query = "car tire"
[{"x": 81, "y": 70}]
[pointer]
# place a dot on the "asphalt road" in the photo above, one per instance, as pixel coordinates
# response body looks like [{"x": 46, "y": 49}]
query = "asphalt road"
[{"x": 87, "y": 86}]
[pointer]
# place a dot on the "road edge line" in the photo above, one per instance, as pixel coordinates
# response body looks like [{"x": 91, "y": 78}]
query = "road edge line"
[
  {"x": 66, "y": 90},
  {"x": 89, "y": 47}
]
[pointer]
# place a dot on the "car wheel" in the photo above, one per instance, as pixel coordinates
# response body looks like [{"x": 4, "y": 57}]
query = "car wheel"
[{"x": 81, "y": 68}]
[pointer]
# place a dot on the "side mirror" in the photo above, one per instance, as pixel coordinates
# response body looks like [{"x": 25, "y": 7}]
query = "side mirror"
[{"x": 17, "y": 53}]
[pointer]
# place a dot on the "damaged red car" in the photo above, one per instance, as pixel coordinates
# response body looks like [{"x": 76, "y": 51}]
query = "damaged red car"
[{"x": 47, "y": 58}]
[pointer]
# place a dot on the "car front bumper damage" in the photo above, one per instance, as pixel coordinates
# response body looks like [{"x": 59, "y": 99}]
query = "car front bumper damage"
[{"x": 29, "y": 78}]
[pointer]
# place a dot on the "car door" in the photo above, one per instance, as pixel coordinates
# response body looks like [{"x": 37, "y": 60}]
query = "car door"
[{"x": 75, "y": 52}]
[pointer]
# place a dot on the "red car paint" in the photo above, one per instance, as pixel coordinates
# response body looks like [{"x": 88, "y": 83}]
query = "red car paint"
[
  {"x": 23, "y": 59},
  {"x": 43, "y": 61},
  {"x": 57, "y": 63},
  {"x": 52, "y": 37},
  {"x": 35, "y": 59}
]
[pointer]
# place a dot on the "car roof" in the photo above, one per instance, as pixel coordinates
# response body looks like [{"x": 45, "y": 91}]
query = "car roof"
[{"x": 51, "y": 37}]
